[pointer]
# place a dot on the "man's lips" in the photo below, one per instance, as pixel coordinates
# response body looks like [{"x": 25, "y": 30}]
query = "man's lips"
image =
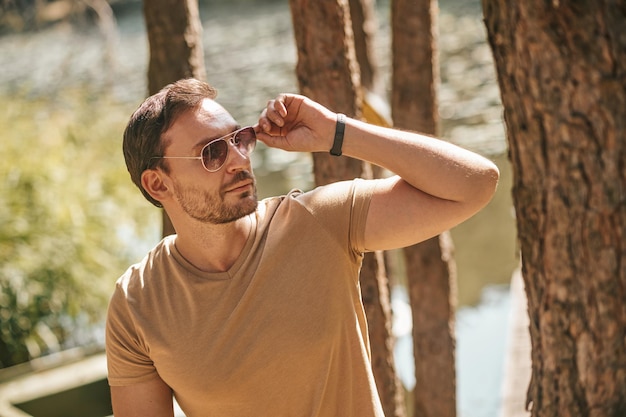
[{"x": 239, "y": 186}]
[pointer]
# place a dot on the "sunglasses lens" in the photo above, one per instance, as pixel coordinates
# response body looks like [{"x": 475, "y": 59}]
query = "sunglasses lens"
[
  {"x": 245, "y": 140},
  {"x": 214, "y": 155}
]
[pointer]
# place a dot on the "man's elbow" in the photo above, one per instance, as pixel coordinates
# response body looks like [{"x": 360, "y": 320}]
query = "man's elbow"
[{"x": 486, "y": 184}]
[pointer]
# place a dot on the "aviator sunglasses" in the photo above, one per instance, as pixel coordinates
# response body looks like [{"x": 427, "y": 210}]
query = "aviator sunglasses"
[{"x": 214, "y": 154}]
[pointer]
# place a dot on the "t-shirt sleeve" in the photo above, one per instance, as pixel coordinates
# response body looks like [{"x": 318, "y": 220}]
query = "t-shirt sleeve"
[
  {"x": 342, "y": 208},
  {"x": 361, "y": 196},
  {"x": 128, "y": 361}
]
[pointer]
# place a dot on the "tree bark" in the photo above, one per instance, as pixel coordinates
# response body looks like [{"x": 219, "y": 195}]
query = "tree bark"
[
  {"x": 377, "y": 301},
  {"x": 431, "y": 273},
  {"x": 364, "y": 24},
  {"x": 415, "y": 67},
  {"x": 328, "y": 72},
  {"x": 175, "y": 37},
  {"x": 562, "y": 74},
  {"x": 430, "y": 264}
]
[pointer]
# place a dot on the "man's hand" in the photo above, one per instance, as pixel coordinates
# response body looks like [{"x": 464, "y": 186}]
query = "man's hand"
[{"x": 295, "y": 123}]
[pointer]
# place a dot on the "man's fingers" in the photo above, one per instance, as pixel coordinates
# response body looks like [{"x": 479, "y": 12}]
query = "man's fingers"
[{"x": 275, "y": 112}]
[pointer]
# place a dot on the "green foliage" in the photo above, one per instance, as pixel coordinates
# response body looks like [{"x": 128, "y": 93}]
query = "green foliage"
[{"x": 67, "y": 211}]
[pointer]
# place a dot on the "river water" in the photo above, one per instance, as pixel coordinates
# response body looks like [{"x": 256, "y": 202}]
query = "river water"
[{"x": 250, "y": 57}]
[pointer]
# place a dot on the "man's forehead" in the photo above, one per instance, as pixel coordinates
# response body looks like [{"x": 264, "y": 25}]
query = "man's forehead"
[
  {"x": 211, "y": 108},
  {"x": 214, "y": 116},
  {"x": 209, "y": 116}
]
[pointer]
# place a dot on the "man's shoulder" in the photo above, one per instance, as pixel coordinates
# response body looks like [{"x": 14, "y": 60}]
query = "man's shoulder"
[
  {"x": 336, "y": 193},
  {"x": 138, "y": 274},
  {"x": 332, "y": 190},
  {"x": 323, "y": 202}
]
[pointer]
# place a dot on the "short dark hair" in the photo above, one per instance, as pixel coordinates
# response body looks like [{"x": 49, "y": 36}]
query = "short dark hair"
[{"x": 142, "y": 137}]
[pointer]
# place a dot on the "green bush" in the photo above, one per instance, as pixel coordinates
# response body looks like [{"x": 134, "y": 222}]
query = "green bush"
[{"x": 69, "y": 217}]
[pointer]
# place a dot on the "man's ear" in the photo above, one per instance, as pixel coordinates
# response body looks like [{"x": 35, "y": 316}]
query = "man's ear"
[{"x": 153, "y": 182}]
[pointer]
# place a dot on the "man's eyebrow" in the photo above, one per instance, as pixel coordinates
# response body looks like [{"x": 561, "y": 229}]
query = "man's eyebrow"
[{"x": 202, "y": 142}]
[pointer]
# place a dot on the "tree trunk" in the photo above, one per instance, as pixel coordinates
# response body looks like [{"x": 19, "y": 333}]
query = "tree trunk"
[
  {"x": 328, "y": 72},
  {"x": 364, "y": 24},
  {"x": 175, "y": 37},
  {"x": 431, "y": 273},
  {"x": 414, "y": 65},
  {"x": 430, "y": 265},
  {"x": 562, "y": 73},
  {"x": 377, "y": 301}
]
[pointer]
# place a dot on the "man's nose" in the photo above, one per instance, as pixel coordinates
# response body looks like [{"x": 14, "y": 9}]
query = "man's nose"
[{"x": 238, "y": 158}]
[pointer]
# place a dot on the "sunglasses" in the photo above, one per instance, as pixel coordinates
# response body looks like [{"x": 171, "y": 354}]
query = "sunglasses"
[{"x": 214, "y": 154}]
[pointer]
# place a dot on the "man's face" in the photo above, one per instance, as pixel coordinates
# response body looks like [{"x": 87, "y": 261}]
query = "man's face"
[{"x": 214, "y": 197}]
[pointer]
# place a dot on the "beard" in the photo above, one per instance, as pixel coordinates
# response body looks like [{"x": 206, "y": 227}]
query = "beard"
[{"x": 208, "y": 207}]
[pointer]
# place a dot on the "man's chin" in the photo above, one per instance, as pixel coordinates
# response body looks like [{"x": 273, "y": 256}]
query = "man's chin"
[
  {"x": 253, "y": 203},
  {"x": 244, "y": 207}
]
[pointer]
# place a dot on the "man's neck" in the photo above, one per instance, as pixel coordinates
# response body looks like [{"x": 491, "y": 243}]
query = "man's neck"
[{"x": 214, "y": 248}]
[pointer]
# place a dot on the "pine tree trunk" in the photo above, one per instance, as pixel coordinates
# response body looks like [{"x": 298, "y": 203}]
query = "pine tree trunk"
[
  {"x": 377, "y": 301},
  {"x": 414, "y": 64},
  {"x": 430, "y": 264},
  {"x": 364, "y": 23},
  {"x": 431, "y": 272},
  {"x": 328, "y": 73},
  {"x": 175, "y": 37},
  {"x": 562, "y": 73}
]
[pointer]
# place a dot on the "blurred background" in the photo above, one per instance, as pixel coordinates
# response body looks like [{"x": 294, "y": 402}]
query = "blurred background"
[{"x": 72, "y": 72}]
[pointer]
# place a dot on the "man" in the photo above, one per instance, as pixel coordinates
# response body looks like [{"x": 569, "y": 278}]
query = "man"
[{"x": 253, "y": 308}]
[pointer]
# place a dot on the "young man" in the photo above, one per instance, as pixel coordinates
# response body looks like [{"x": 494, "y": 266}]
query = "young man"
[{"x": 253, "y": 308}]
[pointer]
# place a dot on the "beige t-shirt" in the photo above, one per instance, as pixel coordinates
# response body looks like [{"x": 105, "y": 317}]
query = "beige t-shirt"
[{"x": 282, "y": 333}]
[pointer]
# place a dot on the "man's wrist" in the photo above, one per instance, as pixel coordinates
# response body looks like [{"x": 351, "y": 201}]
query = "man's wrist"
[{"x": 340, "y": 128}]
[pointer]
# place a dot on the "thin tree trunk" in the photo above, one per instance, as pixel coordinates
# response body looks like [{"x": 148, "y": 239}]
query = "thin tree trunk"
[
  {"x": 431, "y": 273},
  {"x": 364, "y": 25},
  {"x": 430, "y": 264},
  {"x": 414, "y": 65},
  {"x": 377, "y": 301},
  {"x": 562, "y": 73},
  {"x": 328, "y": 72},
  {"x": 175, "y": 37}
]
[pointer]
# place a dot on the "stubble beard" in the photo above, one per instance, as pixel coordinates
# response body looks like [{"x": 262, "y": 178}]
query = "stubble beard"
[{"x": 207, "y": 207}]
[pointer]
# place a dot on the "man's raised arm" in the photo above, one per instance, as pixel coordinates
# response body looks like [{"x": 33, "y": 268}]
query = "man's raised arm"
[{"x": 437, "y": 184}]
